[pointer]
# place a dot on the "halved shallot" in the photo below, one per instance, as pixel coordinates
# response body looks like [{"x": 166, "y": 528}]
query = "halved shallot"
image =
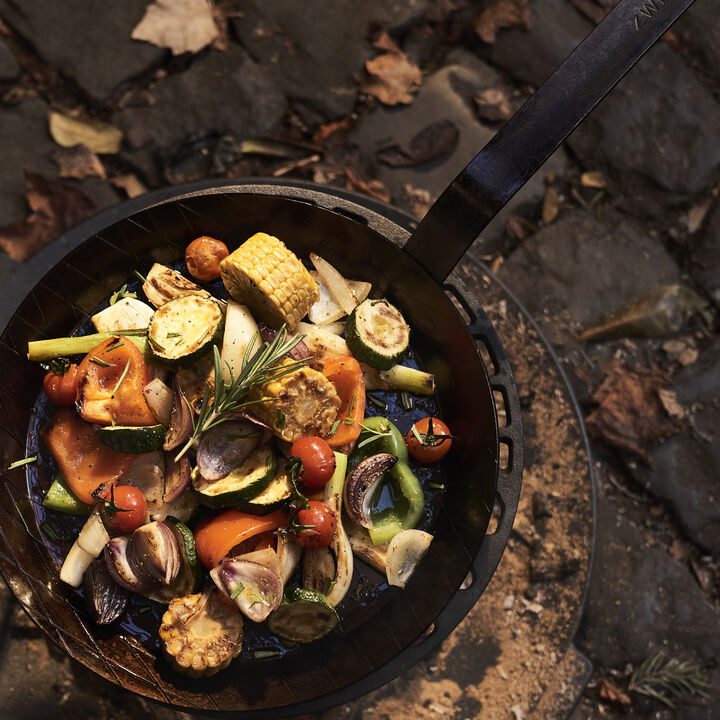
[{"x": 361, "y": 484}]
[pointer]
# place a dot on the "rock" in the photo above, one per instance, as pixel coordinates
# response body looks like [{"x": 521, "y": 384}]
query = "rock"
[
  {"x": 659, "y": 127},
  {"x": 87, "y": 40},
  {"x": 579, "y": 269},
  {"x": 317, "y": 50},
  {"x": 226, "y": 92},
  {"x": 642, "y": 601},
  {"x": 699, "y": 31},
  {"x": 705, "y": 256},
  {"x": 685, "y": 467},
  {"x": 9, "y": 68},
  {"x": 446, "y": 94}
]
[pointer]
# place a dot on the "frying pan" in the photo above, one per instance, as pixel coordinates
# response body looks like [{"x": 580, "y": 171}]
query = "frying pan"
[{"x": 384, "y": 631}]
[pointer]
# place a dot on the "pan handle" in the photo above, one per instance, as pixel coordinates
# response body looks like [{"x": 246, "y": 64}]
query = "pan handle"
[{"x": 528, "y": 138}]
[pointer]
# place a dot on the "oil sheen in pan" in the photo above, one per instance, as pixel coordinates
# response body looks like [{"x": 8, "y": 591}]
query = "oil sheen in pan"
[{"x": 369, "y": 590}]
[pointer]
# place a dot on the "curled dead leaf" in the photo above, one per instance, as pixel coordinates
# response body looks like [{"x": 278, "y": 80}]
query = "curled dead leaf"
[
  {"x": 593, "y": 179},
  {"x": 551, "y": 206},
  {"x": 373, "y": 187},
  {"x": 420, "y": 200},
  {"x": 669, "y": 401},
  {"x": 130, "y": 184},
  {"x": 433, "y": 141},
  {"x": 98, "y": 136},
  {"x": 502, "y": 14},
  {"x": 392, "y": 78},
  {"x": 181, "y": 25},
  {"x": 630, "y": 414},
  {"x": 55, "y": 207},
  {"x": 493, "y": 104},
  {"x": 78, "y": 162},
  {"x": 610, "y": 691}
]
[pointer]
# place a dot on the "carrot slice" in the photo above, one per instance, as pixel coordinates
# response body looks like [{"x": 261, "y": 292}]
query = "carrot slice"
[{"x": 344, "y": 372}]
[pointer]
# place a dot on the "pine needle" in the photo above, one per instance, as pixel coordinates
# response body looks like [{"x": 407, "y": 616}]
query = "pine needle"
[{"x": 665, "y": 679}]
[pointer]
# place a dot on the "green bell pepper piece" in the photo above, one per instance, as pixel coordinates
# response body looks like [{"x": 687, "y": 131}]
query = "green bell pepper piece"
[{"x": 59, "y": 497}]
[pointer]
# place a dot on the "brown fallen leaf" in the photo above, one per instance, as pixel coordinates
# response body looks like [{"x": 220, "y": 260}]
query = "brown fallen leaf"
[
  {"x": 420, "y": 200},
  {"x": 551, "y": 205},
  {"x": 130, "y": 184},
  {"x": 630, "y": 414},
  {"x": 610, "y": 691},
  {"x": 55, "y": 207},
  {"x": 703, "y": 575},
  {"x": 392, "y": 78},
  {"x": 669, "y": 401},
  {"x": 519, "y": 228},
  {"x": 384, "y": 42},
  {"x": 593, "y": 179},
  {"x": 373, "y": 187},
  {"x": 502, "y": 14},
  {"x": 493, "y": 104},
  {"x": 433, "y": 141},
  {"x": 69, "y": 131},
  {"x": 78, "y": 162},
  {"x": 181, "y": 25},
  {"x": 682, "y": 350},
  {"x": 326, "y": 131},
  {"x": 657, "y": 313}
]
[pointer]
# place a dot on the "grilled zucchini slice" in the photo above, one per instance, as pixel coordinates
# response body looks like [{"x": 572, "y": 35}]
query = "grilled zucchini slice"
[
  {"x": 274, "y": 495},
  {"x": 183, "y": 330},
  {"x": 132, "y": 440},
  {"x": 377, "y": 334},
  {"x": 303, "y": 616}
]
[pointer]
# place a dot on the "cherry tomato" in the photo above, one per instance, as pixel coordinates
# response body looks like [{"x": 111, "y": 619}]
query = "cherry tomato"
[
  {"x": 318, "y": 460},
  {"x": 203, "y": 256},
  {"x": 324, "y": 522},
  {"x": 433, "y": 446},
  {"x": 62, "y": 389},
  {"x": 130, "y": 508}
]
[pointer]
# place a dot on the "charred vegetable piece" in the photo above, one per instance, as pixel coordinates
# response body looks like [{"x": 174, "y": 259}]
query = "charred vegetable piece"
[
  {"x": 377, "y": 334},
  {"x": 333, "y": 495},
  {"x": 153, "y": 554},
  {"x": 255, "y": 588},
  {"x": 163, "y": 284},
  {"x": 345, "y": 374},
  {"x": 318, "y": 569},
  {"x": 263, "y": 274},
  {"x": 119, "y": 567},
  {"x": 159, "y": 398},
  {"x": 132, "y": 440},
  {"x": 274, "y": 495},
  {"x": 303, "y": 616},
  {"x": 201, "y": 634},
  {"x": 361, "y": 484},
  {"x": 227, "y": 446},
  {"x": 405, "y": 551},
  {"x": 177, "y": 478},
  {"x": 183, "y": 330},
  {"x": 203, "y": 256},
  {"x": 181, "y": 421},
  {"x": 105, "y": 600}
]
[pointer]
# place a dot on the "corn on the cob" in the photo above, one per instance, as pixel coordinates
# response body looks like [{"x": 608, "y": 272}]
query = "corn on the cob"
[
  {"x": 263, "y": 274},
  {"x": 303, "y": 402}
]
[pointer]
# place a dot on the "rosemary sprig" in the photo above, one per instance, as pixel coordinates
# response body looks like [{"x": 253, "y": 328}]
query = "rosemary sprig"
[
  {"x": 230, "y": 397},
  {"x": 373, "y": 434},
  {"x": 20, "y": 463},
  {"x": 122, "y": 377},
  {"x": 665, "y": 678},
  {"x": 122, "y": 293},
  {"x": 97, "y": 361},
  {"x": 376, "y": 401}
]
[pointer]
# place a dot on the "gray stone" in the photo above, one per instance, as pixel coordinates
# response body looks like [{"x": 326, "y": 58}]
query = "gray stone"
[
  {"x": 686, "y": 467},
  {"x": 317, "y": 50},
  {"x": 642, "y": 601},
  {"x": 9, "y": 68},
  {"x": 88, "y": 40},
  {"x": 226, "y": 92},
  {"x": 699, "y": 30},
  {"x": 584, "y": 266},
  {"x": 705, "y": 254}
]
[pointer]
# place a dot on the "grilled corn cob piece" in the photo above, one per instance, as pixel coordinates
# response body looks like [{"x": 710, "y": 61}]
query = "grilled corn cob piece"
[
  {"x": 267, "y": 277},
  {"x": 303, "y": 402},
  {"x": 201, "y": 634}
]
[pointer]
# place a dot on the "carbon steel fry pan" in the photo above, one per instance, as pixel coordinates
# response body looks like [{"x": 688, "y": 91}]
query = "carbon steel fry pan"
[{"x": 384, "y": 631}]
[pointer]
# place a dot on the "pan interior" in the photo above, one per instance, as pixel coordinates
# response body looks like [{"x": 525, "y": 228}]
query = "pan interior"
[{"x": 377, "y": 622}]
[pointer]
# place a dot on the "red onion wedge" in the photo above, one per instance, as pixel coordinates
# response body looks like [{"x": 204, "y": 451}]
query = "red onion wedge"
[
  {"x": 361, "y": 484},
  {"x": 177, "y": 477},
  {"x": 153, "y": 554},
  {"x": 119, "y": 567},
  {"x": 104, "y": 598},
  {"x": 181, "y": 422},
  {"x": 299, "y": 352},
  {"x": 226, "y": 446},
  {"x": 255, "y": 588}
]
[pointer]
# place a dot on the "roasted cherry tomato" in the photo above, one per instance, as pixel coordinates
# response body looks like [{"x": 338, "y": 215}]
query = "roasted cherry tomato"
[
  {"x": 323, "y": 522},
  {"x": 435, "y": 440},
  {"x": 203, "y": 256},
  {"x": 62, "y": 389},
  {"x": 123, "y": 508},
  {"x": 318, "y": 460}
]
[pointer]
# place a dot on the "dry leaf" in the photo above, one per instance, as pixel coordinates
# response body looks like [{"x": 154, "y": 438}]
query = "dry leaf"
[
  {"x": 681, "y": 350},
  {"x": 703, "y": 575},
  {"x": 669, "y": 401},
  {"x": 78, "y": 162},
  {"x": 100, "y": 137},
  {"x": 420, "y": 200},
  {"x": 392, "y": 78},
  {"x": 386, "y": 43},
  {"x": 130, "y": 184},
  {"x": 374, "y": 187},
  {"x": 519, "y": 228},
  {"x": 551, "y": 206},
  {"x": 630, "y": 414},
  {"x": 181, "y": 25},
  {"x": 502, "y": 14},
  {"x": 55, "y": 205},
  {"x": 493, "y": 104},
  {"x": 696, "y": 216},
  {"x": 433, "y": 141},
  {"x": 324, "y": 132},
  {"x": 610, "y": 691},
  {"x": 656, "y": 313},
  {"x": 594, "y": 179}
]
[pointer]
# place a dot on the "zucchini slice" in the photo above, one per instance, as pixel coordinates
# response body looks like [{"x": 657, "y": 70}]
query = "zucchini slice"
[
  {"x": 183, "y": 330},
  {"x": 274, "y": 495},
  {"x": 303, "y": 616},
  {"x": 133, "y": 440},
  {"x": 189, "y": 578},
  {"x": 241, "y": 484},
  {"x": 377, "y": 334}
]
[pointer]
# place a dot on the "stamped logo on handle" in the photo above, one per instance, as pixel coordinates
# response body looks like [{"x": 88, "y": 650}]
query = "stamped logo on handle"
[{"x": 646, "y": 12}]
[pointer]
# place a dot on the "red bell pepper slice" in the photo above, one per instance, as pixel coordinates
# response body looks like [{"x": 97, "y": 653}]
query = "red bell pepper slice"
[{"x": 344, "y": 372}]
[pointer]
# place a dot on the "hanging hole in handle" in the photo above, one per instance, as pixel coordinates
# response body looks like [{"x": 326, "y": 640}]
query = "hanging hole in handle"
[
  {"x": 485, "y": 356},
  {"x": 460, "y": 304},
  {"x": 505, "y": 459},
  {"x": 500, "y": 408},
  {"x": 495, "y": 516}
]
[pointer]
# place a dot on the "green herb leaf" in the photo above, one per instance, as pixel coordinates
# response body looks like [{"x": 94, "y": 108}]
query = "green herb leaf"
[
  {"x": 238, "y": 589},
  {"x": 406, "y": 400},
  {"x": 122, "y": 293},
  {"x": 349, "y": 421},
  {"x": 50, "y": 531},
  {"x": 329, "y": 585},
  {"x": 260, "y": 654},
  {"x": 20, "y": 463},
  {"x": 334, "y": 427},
  {"x": 117, "y": 345},
  {"x": 140, "y": 277},
  {"x": 436, "y": 486},
  {"x": 280, "y": 420},
  {"x": 59, "y": 365},
  {"x": 122, "y": 377},
  {"x": 376, "y": 401},
  {"x": 97, "y": 361}
]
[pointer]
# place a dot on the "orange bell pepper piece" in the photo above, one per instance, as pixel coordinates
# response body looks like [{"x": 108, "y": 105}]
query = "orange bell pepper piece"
[
  {"x": 83, "y": 462},
  {"x": 113, "y": 376},
  {"x": 345, "y": 374},
  {"x": 216, "y": 537}
]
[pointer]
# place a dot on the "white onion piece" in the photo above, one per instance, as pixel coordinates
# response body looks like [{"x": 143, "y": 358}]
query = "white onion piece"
[
  {"x": 404, "y": 553},
  {"x": 159, "y": 398},
  {"x": 240, "y": 329},
  {"x": 336, "y": 284}
]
